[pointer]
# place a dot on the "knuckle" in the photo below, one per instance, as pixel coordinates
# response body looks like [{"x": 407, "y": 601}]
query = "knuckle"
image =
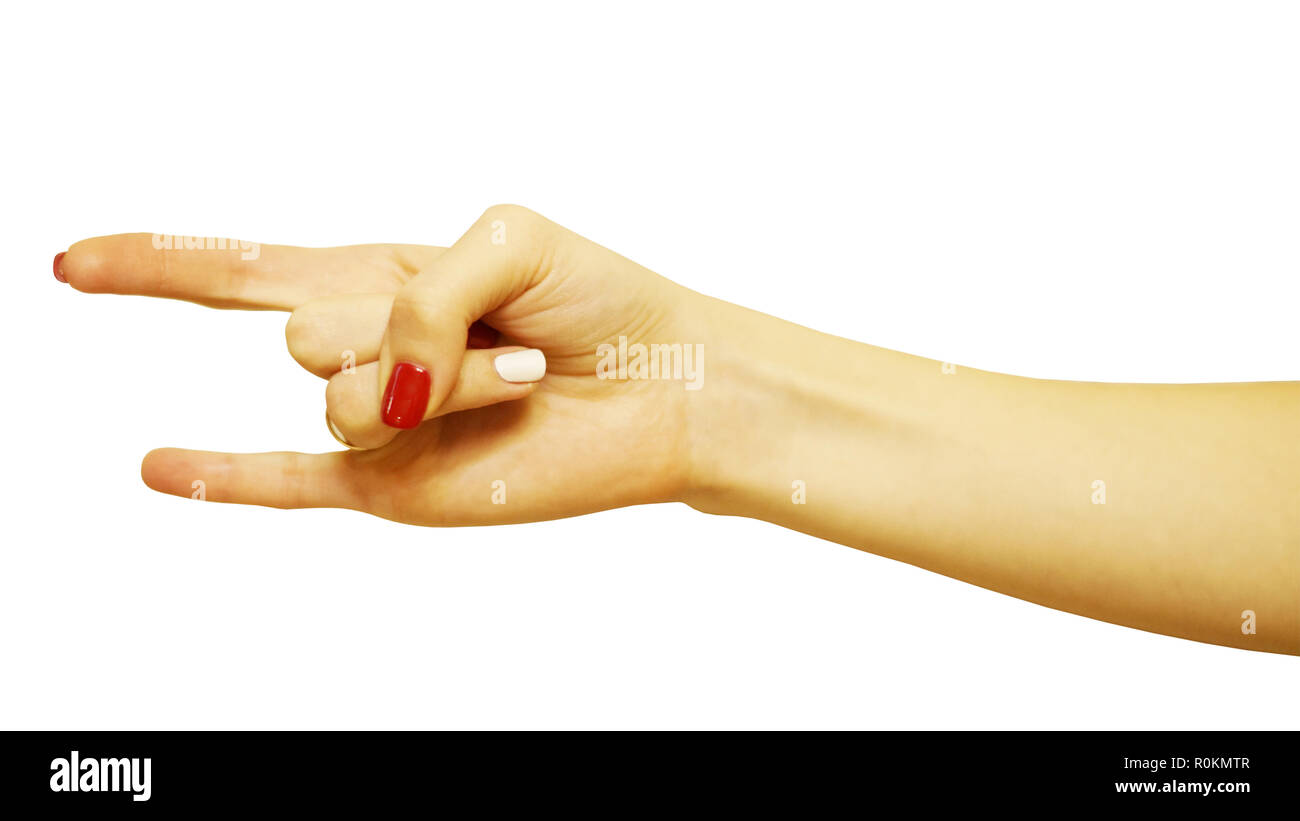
[
  {"x": 303, "y": 335},
  {"x": 295, "y": 477},
  {"x": 298, "y": 331},
  {"x": 533, "y": 241},
  {"x": 523, "y": 223},
  {"x": 508, "y": 212},
  {"x": 413, "y": 308}
]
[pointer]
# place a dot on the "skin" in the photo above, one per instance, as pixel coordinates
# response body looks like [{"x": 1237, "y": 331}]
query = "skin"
[{"x": 984, "y": 477}]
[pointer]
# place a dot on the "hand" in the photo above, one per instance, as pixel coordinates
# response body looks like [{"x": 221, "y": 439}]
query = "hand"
[{"x": 572, "y": 443}]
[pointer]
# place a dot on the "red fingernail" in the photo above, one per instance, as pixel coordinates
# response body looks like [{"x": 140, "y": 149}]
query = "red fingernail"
[
  {"x": 58, "y": 272},
  {"x": 481, "y": 336},
  {"x": 407, "y": 396}
]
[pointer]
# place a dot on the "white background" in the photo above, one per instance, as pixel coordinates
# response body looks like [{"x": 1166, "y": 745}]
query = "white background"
[{"x": 1084, "y": 190}]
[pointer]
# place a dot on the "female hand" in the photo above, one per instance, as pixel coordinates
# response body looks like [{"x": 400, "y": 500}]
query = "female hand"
[{"x": 491, "y": 450}]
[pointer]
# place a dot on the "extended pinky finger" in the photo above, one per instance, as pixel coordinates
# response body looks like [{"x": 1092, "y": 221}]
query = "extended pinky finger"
[{"x": 284, "y": 480}]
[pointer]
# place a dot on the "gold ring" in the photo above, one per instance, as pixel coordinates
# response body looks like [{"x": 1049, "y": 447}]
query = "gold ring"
[{"x": 334, "y": 431}]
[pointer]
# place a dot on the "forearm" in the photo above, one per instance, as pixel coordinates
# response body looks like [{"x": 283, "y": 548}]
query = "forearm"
[{"x": 995, "y": 479}]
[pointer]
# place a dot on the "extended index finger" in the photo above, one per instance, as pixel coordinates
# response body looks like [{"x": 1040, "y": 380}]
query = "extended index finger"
[{"x": 234, "y": 274}]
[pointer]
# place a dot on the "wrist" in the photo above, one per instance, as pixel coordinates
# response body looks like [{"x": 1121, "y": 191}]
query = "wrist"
[
  {"x": 811, "y": 431},
  {"x": 775, "y": 410}
]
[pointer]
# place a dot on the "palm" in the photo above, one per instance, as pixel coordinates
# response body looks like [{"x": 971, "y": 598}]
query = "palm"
[{"x": 563, "y": 451}]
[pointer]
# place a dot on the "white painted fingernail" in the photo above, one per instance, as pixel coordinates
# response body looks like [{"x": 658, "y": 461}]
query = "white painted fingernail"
[{"x": 521, "y": 366}]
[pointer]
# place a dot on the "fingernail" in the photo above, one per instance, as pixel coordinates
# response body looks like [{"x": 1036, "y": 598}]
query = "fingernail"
[
  {"x": 521, "y": 366},
  {"x": 407, "y": 396},
  {"x": 58, "y": 270}
]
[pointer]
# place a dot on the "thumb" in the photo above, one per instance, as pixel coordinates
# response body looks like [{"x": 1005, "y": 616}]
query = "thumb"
[{"x": 498, "y": 259}]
